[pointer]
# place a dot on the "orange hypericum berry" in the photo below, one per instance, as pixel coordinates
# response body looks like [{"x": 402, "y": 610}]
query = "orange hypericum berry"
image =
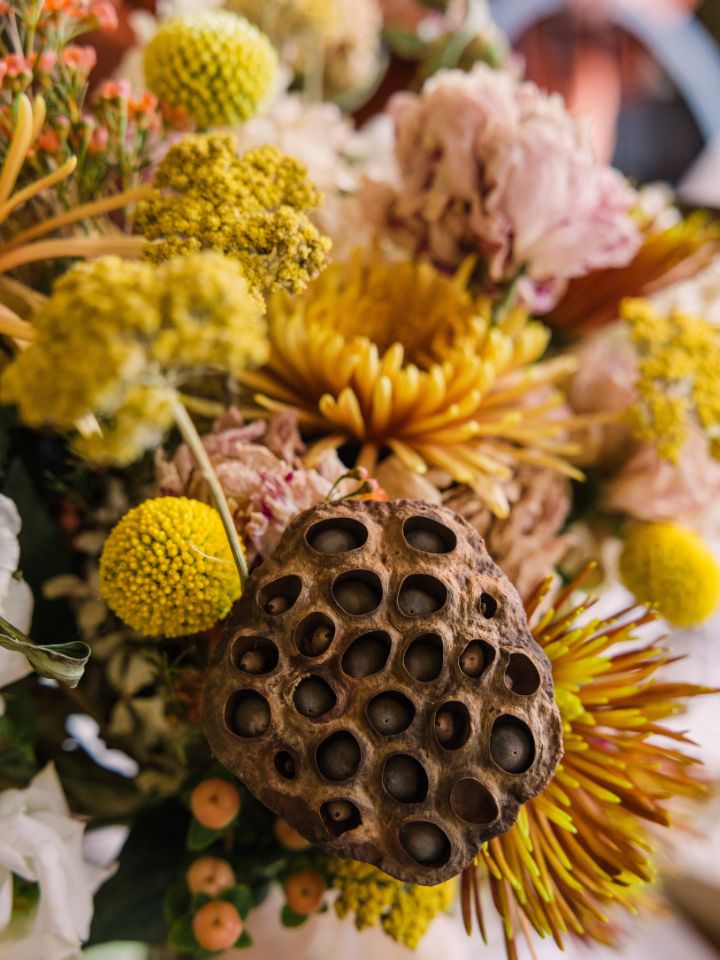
[
  {"x": 217, "y": 925},
  {"x": 210, "y": 875},
  {"x": 215, "y": 803},
  {"x": 304, "y": 891},
  {"x": 288, "y": 836}
]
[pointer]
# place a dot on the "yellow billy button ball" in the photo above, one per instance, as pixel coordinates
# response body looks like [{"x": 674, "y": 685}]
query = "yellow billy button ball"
[
  {"x": 215, "y": 65},
  {"x": 671, "y": 568},
  {"x": 166, "y": 569}
]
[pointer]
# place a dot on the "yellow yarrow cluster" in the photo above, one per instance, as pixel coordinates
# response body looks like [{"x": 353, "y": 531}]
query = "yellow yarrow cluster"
[
  {"x": 216, "y": 66},
  {"x": 117, "y": 337},
  {"x": 404, "y": 910},
  {"x": 252, "y": 208},
  {"x": 672, "y": 568},
  {"x": 678, "y": 382},
  {"x": 166, "y": 568}
]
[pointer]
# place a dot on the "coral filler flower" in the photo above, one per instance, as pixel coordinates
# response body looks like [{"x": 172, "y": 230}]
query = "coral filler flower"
[
  {"x": 496, "y": 167},
  {"x": 252, "y": 208},
  {"x": 215, "y": 65},
  {"x": 582, "y": 845},
  {"x": 118, "y": 337},
  {"x": 400, "y": 357},
  {"x": 672, "y": 568},
  {"x": 166, "y": 568}
]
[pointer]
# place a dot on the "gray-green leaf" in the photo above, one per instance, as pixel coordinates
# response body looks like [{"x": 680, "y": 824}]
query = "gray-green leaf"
[{"x": 62, "y": 661}]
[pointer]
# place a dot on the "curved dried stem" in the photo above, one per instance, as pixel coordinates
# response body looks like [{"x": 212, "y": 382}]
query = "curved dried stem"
[
  {"x": 85, "y": 211},
  {"x": 19, "y": 146},
  {"x": 90, "y": 247}
]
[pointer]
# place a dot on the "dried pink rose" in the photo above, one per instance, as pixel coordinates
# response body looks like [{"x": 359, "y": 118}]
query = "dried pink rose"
[
  {"x": 492, "y": 165},
  {"x": 605, "y": 383},
  {"x": 260, "y": 471},
  {"x": 650, "y": 488}
]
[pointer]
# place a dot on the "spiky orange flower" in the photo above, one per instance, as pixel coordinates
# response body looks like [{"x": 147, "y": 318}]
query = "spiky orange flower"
[
  {"x": 666, "y": 256},
  {"x": 29, "y": 245},
  {"x": 583, "y": 845},
  {"x": 401, "y": 357}
]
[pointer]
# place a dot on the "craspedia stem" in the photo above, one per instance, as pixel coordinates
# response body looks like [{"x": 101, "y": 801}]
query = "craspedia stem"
[{"x": 192, "y": 438}]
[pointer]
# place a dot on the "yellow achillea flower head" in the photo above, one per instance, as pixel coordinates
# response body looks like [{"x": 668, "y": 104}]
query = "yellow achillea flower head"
[
  {"x": 583, "y": 845},
  {"x": 215, "y": 65},
  {"x": 404, "y": 910},
  {"x": 672, "y": 568},
  {"x": 252, "y": 208},
  {"x": 117, "y": 337},
  {"x": 678, "y": 382},
  {"x": 166, "y": 568},
  {"x": 399, "y": 356}
]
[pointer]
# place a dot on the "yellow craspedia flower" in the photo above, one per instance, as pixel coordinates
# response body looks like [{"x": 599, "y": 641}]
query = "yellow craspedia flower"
[
  {"x": 216, "y": 65},
  {"x": 404, "y": 910},
  {"x": 671, "y": 568},
  {"x": 166, "y": 568}
]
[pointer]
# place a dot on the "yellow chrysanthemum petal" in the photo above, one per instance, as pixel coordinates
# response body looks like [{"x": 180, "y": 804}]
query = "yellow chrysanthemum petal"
[{"x": 401, "y": 357}]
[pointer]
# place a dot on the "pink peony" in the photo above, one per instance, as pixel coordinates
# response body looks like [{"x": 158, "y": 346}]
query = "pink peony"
[
  {"x": 260, "y": 471},
  {"x": 492, "y": 165}
]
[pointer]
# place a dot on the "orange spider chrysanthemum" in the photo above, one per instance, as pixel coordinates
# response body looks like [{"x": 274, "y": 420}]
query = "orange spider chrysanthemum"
[
  {"x": 30, "y": 245},
  {"x": 397, "y": 356},
  {"x": 583, "y": 845}
]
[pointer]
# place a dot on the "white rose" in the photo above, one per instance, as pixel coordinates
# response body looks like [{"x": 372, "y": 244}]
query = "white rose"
[
  {"x": 16, "y": 601},
  {"x": 42, "y": 843}
]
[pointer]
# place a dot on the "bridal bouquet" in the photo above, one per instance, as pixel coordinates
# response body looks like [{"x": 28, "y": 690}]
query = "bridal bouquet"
[{"x": 320, "y": 438}]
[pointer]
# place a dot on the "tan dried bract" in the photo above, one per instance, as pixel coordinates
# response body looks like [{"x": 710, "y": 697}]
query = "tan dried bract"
[{"x": 378, "y": 688}]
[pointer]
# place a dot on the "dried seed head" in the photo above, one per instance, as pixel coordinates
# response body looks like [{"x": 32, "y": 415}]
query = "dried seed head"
[{"x": 378, "y": 688}]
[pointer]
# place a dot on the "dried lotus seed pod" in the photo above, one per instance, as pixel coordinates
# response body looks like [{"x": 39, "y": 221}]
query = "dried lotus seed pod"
[{"x": 378, "y": 688}]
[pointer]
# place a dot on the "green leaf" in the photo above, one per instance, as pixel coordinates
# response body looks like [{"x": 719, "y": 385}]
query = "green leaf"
[
  {"x": 62, "y": 661},
  {"x": 181, "y": 937},
  {"x": 244, "y": 941},
  {"x": 289, "y": 918},
  {"x": 200, "y": 837},
  {"x": 241, "y": 898},
  {"x": 177, "y": 900},
  {"x": 129, "y": 906}
]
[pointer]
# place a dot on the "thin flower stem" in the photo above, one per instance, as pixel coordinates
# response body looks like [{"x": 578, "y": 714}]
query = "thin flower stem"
[{"x": 192, "y": 438}]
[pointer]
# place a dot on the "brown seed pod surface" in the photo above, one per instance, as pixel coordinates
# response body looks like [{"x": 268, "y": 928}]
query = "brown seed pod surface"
[{"x": 378, "y": 688}]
